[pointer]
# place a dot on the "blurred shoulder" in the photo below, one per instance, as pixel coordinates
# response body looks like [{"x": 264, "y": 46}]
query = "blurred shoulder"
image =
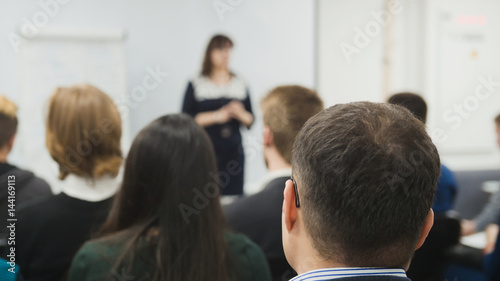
[{"x": 242, "y": 246}]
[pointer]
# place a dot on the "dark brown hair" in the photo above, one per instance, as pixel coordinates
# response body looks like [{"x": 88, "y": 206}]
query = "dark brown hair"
[
  {"x": 366, "y": 176},
  {"x": 413, "y": 102},
  {"x": 285, "y": 110},
  {"x": 170, "y": 165},
  {"x": 217, "y": 42},
  {"x": 497, "y": 120},
  {"x": 8, "y": 120}
]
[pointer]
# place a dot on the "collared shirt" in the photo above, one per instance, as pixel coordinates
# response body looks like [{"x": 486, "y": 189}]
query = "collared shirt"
[
  {"x": 263, "y": 182},
  {"x": 344, "y": 272}
]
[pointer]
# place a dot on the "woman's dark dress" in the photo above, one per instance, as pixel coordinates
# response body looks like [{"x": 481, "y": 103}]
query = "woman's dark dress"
[{"x": 203, "y": 95}]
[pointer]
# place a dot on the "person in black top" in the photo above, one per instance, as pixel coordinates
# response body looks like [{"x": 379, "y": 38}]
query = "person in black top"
[
  {"x": 83, "y": 137},
  {"x": 219, "y": 101},
  {"x": 285, "y": 110},
  {"x": 22, "y": 184}
]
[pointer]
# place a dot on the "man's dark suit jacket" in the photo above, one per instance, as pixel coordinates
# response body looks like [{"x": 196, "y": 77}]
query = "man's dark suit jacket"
[{"x": 259, "y": 217}]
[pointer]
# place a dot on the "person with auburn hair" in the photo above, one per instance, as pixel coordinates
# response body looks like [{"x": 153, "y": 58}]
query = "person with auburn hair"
[
  {"x": 22, "y": 183},
  {"x": 285, "y": 109},
  {"x": 219, "y": 101},
  {"x": 351, "y": 210},
  {"x": 83, "y": 137},
  {"x": 166, "y": 222}
]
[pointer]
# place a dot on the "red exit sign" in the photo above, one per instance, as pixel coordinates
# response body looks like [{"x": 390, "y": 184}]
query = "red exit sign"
[{"x": 471, "y": 19}]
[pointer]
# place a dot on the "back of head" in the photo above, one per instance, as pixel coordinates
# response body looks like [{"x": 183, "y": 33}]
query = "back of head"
[
  {"x": 285, "y": 110},
  {"x": 170, "y": 187},
  {"x": 8, "y": 120},
  {"x": 84, "y": 131},
  {"x": 366, "y": 176},
  {"x": 413, "y": 102}
]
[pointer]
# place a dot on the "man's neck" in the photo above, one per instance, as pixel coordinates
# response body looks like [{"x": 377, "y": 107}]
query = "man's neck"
[
  {"x": 314, "y": 263},
  {"x": 311, "y": 261},
  {"x": 3, "y": 157},
  {"x": 274, "y": 161}
]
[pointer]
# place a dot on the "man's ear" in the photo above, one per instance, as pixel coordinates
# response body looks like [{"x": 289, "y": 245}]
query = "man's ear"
[
  {"x": 425, "y": 230},
  {"x": 289, "y": 208},
  {"x": 268, "y": 136}
]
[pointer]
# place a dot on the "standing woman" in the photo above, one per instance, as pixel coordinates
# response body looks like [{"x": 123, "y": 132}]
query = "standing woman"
[{"x": 219, "y": 101}]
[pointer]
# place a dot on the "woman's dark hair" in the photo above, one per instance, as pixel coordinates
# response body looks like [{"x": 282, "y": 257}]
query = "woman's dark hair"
[
  {"x": 217, "y": 42},
  {"x": 171, "y": 168}
]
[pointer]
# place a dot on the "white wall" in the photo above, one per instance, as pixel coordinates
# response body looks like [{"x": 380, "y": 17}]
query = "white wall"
[
  {"x": 274, "y": 44},
  {"x": 430, "y": 53}
]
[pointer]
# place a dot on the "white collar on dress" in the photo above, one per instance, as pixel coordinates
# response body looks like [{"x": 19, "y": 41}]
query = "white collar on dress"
[
  {"x": 92, "y": 190},
  {"x": 205, "y": 89}
]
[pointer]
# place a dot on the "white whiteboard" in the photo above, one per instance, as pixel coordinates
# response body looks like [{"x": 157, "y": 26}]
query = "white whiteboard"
[
  {"x": 463, "y": 52},
  {"x": 63, "y": 58}
]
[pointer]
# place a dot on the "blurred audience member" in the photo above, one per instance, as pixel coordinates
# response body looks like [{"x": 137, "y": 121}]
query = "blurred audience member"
[
  {"x": 83, "y": 137},
  {"x": 344, "y": 217},
  {"x": 447, "y": 187},
  {"x": 22, "y": 183},
  {"x": 491, "y": 212},
  {"x": 166, "y": 222},
  {"x": 9, "y": 271},
  {"x": 285, "y": 110},
  {"x": 491, "y": 262}
]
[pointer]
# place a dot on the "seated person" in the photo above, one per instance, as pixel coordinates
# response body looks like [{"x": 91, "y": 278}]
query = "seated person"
[
  {"x": 491, "y": 262},
  {"x": 25, "y": 185},
  {"x": 491, "y": 212},
  {"x": 83, "y": 137},
  {"x": 351, "y": 211},
  {"x": 9, "y": 271},
  {"x": 447, "y": 186},
  {"x": 285, "y": 110},
  {"x": 166, "y": 222}
]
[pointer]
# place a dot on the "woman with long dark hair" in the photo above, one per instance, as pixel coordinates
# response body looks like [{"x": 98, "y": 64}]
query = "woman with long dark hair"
[
  {"x": 166, "y": 222},
  {"x": 219, "y": 101}
]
